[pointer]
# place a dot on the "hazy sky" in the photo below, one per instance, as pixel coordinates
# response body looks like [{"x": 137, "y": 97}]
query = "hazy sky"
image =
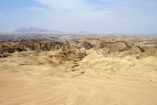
[{"x": 108, "y": 16}]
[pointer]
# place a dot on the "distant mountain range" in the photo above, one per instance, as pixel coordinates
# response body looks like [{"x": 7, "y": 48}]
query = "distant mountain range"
[{"x": 33, "y": 29}]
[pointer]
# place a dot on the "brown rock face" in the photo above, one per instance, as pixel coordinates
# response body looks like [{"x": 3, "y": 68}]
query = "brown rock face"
[
  {"x": 114, "y": 46},
  {"x": 132, "y": 47},
  {"x": 11, "y": 47}
]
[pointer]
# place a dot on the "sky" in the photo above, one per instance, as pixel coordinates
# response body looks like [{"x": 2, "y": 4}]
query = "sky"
[{"x": 102, "y": 16}]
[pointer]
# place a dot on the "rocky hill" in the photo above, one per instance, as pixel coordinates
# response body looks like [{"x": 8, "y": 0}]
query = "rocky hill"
[{"x": 115, "y": 47}]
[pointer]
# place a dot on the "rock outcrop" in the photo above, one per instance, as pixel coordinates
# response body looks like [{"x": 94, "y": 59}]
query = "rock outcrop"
[{"x": 108, "y": 46}]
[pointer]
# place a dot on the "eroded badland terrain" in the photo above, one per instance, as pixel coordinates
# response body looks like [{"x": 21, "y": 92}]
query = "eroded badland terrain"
[{"x": 84, "y": 72}]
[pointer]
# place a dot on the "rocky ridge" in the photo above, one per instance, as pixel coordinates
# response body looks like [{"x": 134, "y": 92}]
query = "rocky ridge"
[{"x": 115, "y": 47}]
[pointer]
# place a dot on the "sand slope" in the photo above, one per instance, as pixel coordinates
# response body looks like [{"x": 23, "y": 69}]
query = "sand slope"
[
  {"x": 97, "y": 80},
  {"x": 106, "y": 72},
  {"x": 75, "y": 91}
]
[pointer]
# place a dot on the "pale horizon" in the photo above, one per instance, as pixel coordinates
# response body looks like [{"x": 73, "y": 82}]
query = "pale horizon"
[{"x": 99, "y": 16}]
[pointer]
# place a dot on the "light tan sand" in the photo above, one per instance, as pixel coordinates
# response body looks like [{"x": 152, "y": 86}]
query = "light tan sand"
[{"x": 98, "y": 80}]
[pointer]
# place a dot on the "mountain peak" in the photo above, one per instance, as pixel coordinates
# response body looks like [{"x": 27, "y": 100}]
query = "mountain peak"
[{"x": 34, "y": 29}]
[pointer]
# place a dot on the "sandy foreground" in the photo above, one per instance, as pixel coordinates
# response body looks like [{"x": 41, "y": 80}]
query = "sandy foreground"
[{"x": 30, "y": 80}]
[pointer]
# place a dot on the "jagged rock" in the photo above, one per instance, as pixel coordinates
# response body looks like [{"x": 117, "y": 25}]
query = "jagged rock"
[
  {"x": 114, "y": 46},
  {"x": 108, "y": 46},
  {"x": 87, "y": 45}
]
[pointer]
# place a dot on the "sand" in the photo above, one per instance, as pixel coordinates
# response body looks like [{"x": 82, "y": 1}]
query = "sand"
[{"x": 28, "y": 79}]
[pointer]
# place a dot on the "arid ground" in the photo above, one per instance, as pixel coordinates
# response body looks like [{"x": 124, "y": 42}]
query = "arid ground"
[{"x": 84, "y": 72}]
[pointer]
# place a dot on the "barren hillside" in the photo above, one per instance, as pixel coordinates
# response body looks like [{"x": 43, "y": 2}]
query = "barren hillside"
[{"x": 82, "y": 72}]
